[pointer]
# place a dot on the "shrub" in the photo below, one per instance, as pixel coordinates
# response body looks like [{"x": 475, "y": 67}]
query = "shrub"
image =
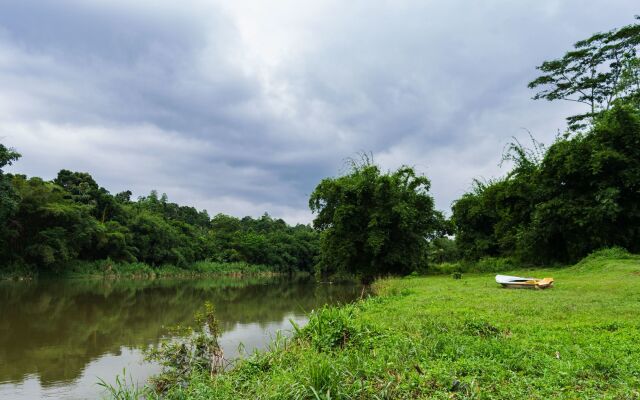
[
  {"x": 595, "y": 259},
  {"x": 199, "y": 352},
  {"x": 331, "y": 328},
  {"x": 494, "y": 264},
  {"x": 447, "y": 268}
]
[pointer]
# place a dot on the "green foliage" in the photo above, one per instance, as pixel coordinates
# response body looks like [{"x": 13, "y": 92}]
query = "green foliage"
[
  {"x": 580, "y": 196},
  {"x": 48, "y": 230},
  {"x": 123, "y": 389},
  {"x": 597, "y": 260},
  {"x": 9, "y": 199},
  {"x": 331, "y": 328},
  {"x": 599, "y": 72},
  {"x": 160, "y": 241},
  {"x": 199, "y": 352},
  {"x": 494, "y": 264},
  {"x": 263, "y": 241},
  {"x": 214, "y": 267},
  {"x": 588, "y": 187},
  {"x": 485, "y": 264},
  {"x": 441, "y": 250},
  {"x": 374, "y": 223},
  {"x": 108, "y": 267},
  {"x": 82, "y": 189},
  {"x": 7, "y": 156},
  {"x": 556, "y": 205},
  {"x": 72, "y": 225},
  {"x": 447, "y": 268}
]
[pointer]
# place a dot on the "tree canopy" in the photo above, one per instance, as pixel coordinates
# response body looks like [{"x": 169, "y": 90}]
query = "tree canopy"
[
  {"x": 48, "y": 225},
  {"x": 583, "y": 192},
  {"x": 374, "y": 223},
  {"x": 9, "y": 199},
  {"x": 600, "y": 71}
]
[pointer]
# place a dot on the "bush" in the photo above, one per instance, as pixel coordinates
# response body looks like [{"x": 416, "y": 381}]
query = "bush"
[
  {"x": 447, "y": 268},
  {"x": 616, "y": 253},
  {"x": 199, "y": 352},
  {"x": 109, "y": 267},
  {"x": 494, "y": 264},
  {"x": 214, "y": 267},
  {"x": 595, "y": 259},
  {"x": 18, "y": 270},
  {"x": 332, "y": 328},
  {"x": 486, "y": 264}
]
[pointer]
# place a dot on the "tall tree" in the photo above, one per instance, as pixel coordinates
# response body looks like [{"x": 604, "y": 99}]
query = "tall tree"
[
  {"x": 83, "y": 189},
  {"x": 598, "y": 72},
  {"x": 50, "y": 229},
  {"x": 374, "y": 223},
  {"x": 9, "y": 199}
]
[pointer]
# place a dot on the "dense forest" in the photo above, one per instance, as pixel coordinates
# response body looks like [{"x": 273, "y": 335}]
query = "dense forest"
[
  {"x": 47, "y": 225},
  {"x": 554, "y": 205},
  {"x": 582, "y": 193}
]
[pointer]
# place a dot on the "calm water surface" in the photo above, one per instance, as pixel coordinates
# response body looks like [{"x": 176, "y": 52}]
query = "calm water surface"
[{"x": 58, "y": 337}]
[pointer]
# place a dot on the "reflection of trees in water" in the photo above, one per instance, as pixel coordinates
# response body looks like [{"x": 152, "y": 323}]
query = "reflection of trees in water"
[{"x": 55, "y": 328}]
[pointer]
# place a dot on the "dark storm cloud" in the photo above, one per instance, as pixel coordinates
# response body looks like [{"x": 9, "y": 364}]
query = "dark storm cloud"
[{"x": 242, "y": 107}]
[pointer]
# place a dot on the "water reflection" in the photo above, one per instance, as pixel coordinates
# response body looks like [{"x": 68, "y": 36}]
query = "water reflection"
[{"x": 52, "y": 332}]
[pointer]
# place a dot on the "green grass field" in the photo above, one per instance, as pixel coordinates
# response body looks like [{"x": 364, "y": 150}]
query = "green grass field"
[{"x": 436, "y": 337}]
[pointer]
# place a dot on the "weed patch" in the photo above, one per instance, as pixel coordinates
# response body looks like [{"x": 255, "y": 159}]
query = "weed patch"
[{"x": 331, "y": 328}]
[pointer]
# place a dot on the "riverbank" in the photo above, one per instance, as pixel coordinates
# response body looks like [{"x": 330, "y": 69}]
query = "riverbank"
[
  {"x": 115, "y": 270},
  {"x": 436, "y": 337},
  {"x": 58, "y": 335}
]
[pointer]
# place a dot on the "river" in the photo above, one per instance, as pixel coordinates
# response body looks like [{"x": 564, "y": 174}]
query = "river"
[{"x": 58, "y": 337}]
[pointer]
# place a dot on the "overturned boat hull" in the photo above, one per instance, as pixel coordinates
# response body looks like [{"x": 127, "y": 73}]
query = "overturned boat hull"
[{"x": 516, "y": 282}]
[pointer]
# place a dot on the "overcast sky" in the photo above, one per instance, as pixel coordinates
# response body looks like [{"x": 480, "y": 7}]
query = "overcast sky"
[{"x": 242, "y": 107}]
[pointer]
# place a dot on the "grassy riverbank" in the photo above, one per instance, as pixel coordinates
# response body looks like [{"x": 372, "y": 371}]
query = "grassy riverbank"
[{"x": 436, "y": 337}]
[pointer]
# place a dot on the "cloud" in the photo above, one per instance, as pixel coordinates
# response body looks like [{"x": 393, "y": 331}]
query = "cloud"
[{"x": 242, "y": 107}]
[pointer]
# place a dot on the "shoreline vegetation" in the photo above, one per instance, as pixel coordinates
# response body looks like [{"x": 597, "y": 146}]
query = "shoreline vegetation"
[
  {"x": 438, "y": 337},
  {"x": 136, "y": 270}
]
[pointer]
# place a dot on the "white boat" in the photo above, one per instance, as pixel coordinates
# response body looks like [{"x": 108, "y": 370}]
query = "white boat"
[{"x": 519, "y": 282}]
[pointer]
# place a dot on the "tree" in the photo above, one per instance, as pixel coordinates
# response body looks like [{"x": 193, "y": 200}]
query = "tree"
[
  {"x": 443, "y": 250},
  {"x": 9, "y": 199},
  {"x": 599, "y": 71},
  {"x": 83, "y": 189},
  {"x": 123, "y": 197},
  {"x": 374, "y": 223},
  {"x": 49, "y": 230},
  {"x": 475, "y": 217},
  {"x": 589, "y": 191},
  {"x": 7, "y": 156},
  {"x": 582, "y": 195}
]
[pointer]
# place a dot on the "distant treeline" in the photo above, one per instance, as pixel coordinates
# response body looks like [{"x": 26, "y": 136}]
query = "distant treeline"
[{"x": 46, "y": 225}]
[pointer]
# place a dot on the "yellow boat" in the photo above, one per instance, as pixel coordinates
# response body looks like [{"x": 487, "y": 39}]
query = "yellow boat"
[{"x": 517, "y": 282}]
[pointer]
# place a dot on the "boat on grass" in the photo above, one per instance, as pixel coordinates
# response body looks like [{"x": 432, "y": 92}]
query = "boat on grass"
[{"x": 517, "y": 282}]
